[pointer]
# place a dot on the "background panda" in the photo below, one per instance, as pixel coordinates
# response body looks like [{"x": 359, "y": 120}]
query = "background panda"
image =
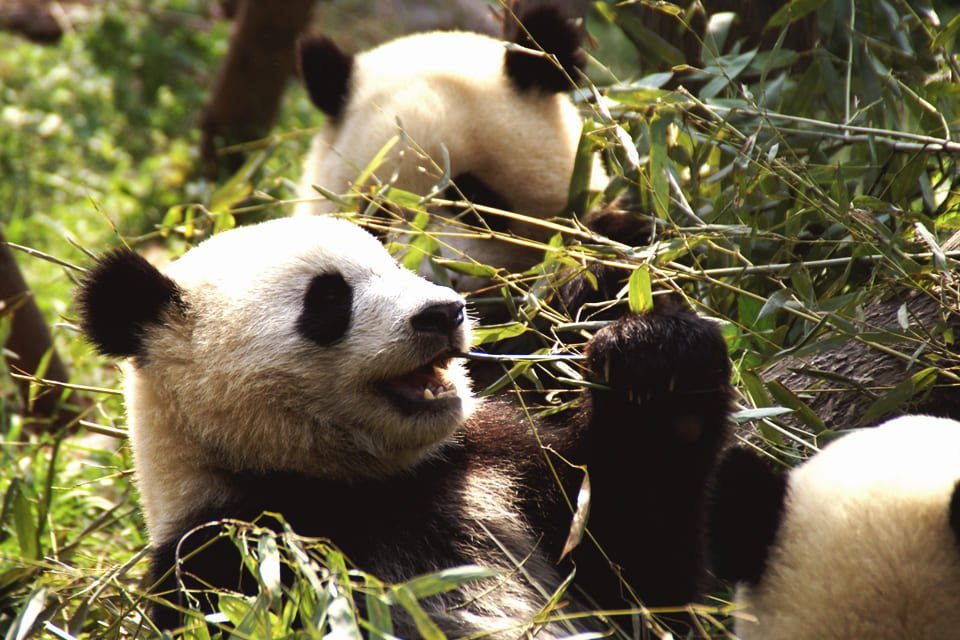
[
  {"x": 497, "y": 118},
  {"x": 861, "y": 541},
  {"x": 293, "y": 367}
]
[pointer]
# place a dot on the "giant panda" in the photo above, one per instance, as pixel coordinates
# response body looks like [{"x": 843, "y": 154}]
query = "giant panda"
[
  {"x": 494, "y": 118},
  {"x": 861, "y": 541},
  {"x": 293, "y": 367}
]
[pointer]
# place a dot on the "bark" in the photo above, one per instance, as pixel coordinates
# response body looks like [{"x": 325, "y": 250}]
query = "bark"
[
  {"x": 247, "y": 94},
  {"x": 858, "y": 374},
  {"x": 34, "y": 19},
  {"x": 28, "y": 342}
]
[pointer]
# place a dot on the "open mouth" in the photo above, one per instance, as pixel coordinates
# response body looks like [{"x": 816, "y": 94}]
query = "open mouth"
[{"x": 424, "y": 388}]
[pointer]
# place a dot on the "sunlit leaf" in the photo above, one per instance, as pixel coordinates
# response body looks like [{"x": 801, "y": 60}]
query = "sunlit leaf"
[
  {"x": 442, "y": 581},
  {"x": 269, "y": 566},
  {"x": 22, "y": 626},
  {"x": 759, "y": 413},
  {"x": 578, "y": 525},
  {"x": 640, "y": 291},
  {"x": 496, "y": 332},
  {"x": 467, "y": 268}
]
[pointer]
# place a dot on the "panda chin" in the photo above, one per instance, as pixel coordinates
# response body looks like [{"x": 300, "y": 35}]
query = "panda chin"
[{"x": 422, "y": 390}]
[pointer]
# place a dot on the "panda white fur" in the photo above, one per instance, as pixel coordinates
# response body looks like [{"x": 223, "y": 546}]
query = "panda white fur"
[
  {"x": 861, "y": 541},
  {"x": 293, "y": 367},
  {"x": 500, "y": 117}
]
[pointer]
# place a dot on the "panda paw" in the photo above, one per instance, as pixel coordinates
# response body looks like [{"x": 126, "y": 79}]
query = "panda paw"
[{"x": 666, "y": 356}]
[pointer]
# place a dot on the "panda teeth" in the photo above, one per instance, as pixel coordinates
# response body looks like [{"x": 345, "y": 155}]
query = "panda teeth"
[{"x": 438, "y": 393}]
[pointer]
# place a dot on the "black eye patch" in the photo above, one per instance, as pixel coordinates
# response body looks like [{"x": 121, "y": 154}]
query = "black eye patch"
[
  {"x": 327, "y": 307},
  {"x": 477, "y": 191}
]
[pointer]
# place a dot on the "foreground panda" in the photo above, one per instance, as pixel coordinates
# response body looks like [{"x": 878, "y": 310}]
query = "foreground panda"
[
  {"x": 293, "y": 367},
  {"x": 499, "y": 118},
  {"x": 862, "y": 541}
]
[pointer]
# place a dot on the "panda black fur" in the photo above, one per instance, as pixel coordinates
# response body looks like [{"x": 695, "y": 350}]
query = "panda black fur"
[
  {"x": 498, "y": 115},
  {"x": 861, "y": 541},
  {"x": 293, "y": 367}
]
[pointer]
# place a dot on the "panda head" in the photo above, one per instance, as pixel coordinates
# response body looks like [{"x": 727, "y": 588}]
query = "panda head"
[
  {"x": 861, "y": 541},
  {"x": 492, "y": 116},
  {"x": 293, "y": 345}
]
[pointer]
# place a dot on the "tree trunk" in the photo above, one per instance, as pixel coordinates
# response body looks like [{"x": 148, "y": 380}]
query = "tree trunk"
[
  {"x": 247, "y": 94},
  {"x": 27, "y": 345},
  {"x": 843, "y": 381},
  {"x": 33, "y": 19}
]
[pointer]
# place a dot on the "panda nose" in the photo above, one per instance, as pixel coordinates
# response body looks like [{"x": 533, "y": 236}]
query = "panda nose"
[{"x": 442, "y": 317}]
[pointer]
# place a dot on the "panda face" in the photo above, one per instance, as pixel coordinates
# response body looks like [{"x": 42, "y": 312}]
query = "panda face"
[
  {"x": 296, "y": 345},
  {"x": 361, "y": 343},
  {"x": 490, "y": 118},
  {"x": 864, "y": 538}
]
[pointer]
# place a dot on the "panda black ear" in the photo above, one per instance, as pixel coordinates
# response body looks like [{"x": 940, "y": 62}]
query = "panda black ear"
[
  {"x": 326, "y": 72},
  {"x": 744, "y": 511},
  {"x": 119, "y": 298},
  {"x": 545, "y": 28},
  {"x": 955, "y": 511}
]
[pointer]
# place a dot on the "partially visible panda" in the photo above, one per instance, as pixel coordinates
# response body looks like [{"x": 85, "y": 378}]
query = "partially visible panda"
[
  {"x": 293, "y": 367},
  {"x": 861, "y": 541},
  {"x": 496, "y": 118}
]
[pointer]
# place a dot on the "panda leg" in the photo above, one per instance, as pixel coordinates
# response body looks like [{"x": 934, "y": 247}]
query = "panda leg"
[{"x": 653, "y": 434}]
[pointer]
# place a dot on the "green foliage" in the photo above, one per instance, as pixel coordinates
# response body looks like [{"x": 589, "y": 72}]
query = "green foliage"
[{"x": 792, "y": 190}]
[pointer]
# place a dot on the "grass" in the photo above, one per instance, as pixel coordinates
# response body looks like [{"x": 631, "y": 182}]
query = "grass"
[{"x": 795, "y": 192}]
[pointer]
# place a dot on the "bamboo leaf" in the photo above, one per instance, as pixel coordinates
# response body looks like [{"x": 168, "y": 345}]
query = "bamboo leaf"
[
  {"x": 240, "y": 184},
  {"x": 640, "y": 291},
  {"x": 269, "y": 567},
  {"x": 793, "y": 11},
  {"x": 497, "y": 332},
  {"x": 947, "y": 38},
  {"x": 759, "y": 413},
  {"x": 431, "y": 584},
  {"x": 579, "y": 523},
  {"x": 802, "y": 410},
  {"x": 467, "y": 268},
  {"x": 774, "y": 303},
  {"x": 660, "y": 162},
  {"x": 578, "y": 195},
  {"x": 24, "y": 521},
  {"x": 24, "y": 623},
  {"x": 378, "y": 610},
  {"x": 378, "y": 159},
  {"x": 900, "y": 395},
  {"x": 649, "y": 44},
  {"x": 426, "y": 627},
  {"x": 341, "y": 616}
]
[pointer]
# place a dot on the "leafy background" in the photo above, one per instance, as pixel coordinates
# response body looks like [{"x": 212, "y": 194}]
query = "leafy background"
[{"x": 795, "y": 190}]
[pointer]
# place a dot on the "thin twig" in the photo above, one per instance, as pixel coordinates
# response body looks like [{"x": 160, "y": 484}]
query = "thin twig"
[
  {"x": 530, "y": 357},
  {"x": 44, "y": 256},
  {"x": 814, "y": 264},
  {"x": 926, "y": 142}
]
